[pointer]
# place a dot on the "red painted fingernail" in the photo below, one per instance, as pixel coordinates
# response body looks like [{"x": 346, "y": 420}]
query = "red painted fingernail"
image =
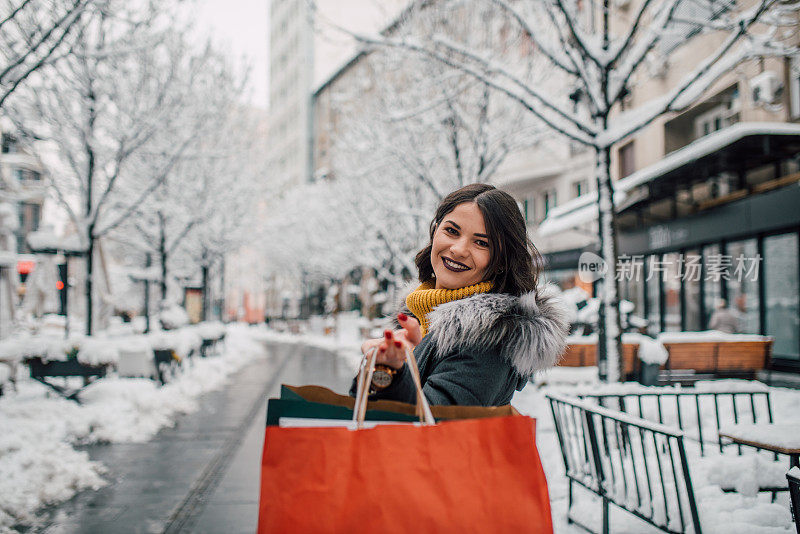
[
  {"x": 398, "y": 344},
  {"x": 387, "y": 334},
  {"x": 402, "y": 317}
]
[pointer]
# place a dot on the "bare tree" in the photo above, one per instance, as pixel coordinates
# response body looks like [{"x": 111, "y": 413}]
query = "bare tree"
[
  {"x": 34, "y": 33},
  {"x": 405, "y": 131},
  {"x": 598, "y": 51},
  {"x": 125, "y": 84},
  {"x": 187, "y": 198}
]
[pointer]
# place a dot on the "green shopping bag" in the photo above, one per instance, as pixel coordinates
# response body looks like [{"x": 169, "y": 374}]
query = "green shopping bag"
[{"x": 317, "y": 402}]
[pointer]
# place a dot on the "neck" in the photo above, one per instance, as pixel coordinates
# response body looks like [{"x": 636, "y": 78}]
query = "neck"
[{"x": 428, "y": 296}]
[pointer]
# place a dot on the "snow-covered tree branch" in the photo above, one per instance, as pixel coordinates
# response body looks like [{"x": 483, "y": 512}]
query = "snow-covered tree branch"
[{"x": 600, "y": 49}]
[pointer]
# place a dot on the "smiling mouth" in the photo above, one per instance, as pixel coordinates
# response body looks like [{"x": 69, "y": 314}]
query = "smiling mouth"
[{"x": 454, "y": 266}]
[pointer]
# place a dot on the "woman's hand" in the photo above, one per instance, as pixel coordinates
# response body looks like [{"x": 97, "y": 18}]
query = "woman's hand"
[{"x": 392, "y": 347}]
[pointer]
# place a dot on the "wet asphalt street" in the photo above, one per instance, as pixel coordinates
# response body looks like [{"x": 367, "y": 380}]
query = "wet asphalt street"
[{"x": 202, "y": 475}]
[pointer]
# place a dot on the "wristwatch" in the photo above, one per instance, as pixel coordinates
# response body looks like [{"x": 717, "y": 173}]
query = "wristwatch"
[{"x": 382, "y": 377}]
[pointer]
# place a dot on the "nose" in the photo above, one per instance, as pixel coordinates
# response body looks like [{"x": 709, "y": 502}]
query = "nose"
[{"x": 459, "y": 247}]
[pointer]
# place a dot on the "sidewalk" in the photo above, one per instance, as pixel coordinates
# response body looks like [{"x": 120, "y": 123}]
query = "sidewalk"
[{"x": 203, "y": 474}]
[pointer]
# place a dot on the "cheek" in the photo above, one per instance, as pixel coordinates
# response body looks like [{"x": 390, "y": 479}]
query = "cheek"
[{"x": 482, "y": 260}]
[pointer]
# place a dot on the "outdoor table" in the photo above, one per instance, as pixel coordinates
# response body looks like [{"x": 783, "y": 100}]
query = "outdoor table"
[{"x": 781, "y": 438}]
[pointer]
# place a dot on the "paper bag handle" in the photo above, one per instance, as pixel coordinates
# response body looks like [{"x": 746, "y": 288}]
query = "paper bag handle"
[{"x": 367, "y": 367}]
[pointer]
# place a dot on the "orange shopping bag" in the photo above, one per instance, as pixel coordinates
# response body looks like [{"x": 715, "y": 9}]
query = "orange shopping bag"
[{"x": 474, "y": 475}]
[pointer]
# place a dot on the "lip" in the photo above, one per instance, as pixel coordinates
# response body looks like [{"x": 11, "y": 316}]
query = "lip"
[{"x": 449, "y": 268}]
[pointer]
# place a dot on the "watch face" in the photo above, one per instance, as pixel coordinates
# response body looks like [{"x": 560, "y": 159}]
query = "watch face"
[{"x": 381, "y": 379}]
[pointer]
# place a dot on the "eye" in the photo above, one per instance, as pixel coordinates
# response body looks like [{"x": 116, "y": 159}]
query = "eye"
[
  {"x": 450, "y": 230},
  {"x": 482, "y": 243}
]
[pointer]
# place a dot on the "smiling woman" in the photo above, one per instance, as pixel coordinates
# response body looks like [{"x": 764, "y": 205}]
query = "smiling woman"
[{"x": 478, "y": 324}]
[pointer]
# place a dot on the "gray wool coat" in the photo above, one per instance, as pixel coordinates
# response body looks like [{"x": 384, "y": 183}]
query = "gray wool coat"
[{"x": 481, "y": 349}]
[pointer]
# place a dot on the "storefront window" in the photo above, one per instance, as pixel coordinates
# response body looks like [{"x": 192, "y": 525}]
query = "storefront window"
[
  {"x": 632, "y": 288},
  {"x": 653, "y": 277},
  {"x": 712, "y": 280},
  {"x": 691, "y": 290},
  {"x": 743, "y": 274},
  {"x": 671, "y": 276},
  {"x": 780, "y": 272}
]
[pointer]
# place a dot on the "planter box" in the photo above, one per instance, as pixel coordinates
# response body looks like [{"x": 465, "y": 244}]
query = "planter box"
[{"x": 586, "y": 355}]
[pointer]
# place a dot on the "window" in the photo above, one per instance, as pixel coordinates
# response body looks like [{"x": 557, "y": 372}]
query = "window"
[
  {"x": 743, "y": 277},
  {"x": 9, "y": 144},
  {"x": 26, "y": 175},
  {"x": 681, "y": 29},
  {"x": 626, "y": 161},
  {"x": 781, "y": 292},
  {"x": 671, "y": 277},
  {"x": 794, "y": 88},
  {"x": 579, "y": 188},
  {"x": 692, "y": 279},
  {"x": 653, "y": 293},
  {"x": 550, "y": 201},
  {"x": 718, "y": 117},
  {"x": 29, "y": 216}
]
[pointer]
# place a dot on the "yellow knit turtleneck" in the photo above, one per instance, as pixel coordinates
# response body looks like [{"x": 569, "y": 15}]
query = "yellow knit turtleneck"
[{"x": 424, "y": 299}]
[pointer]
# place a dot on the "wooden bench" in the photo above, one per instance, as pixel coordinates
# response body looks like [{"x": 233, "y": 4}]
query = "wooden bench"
[
  {"x": 730, "y": 359},
  {"x": 634, "y": 464}
]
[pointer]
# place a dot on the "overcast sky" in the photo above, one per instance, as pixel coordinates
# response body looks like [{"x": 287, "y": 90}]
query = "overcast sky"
[{"x": 241, "y": 26}]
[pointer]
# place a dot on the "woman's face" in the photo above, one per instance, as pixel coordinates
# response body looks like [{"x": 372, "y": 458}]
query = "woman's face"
[{"x": 460, "y": 252}]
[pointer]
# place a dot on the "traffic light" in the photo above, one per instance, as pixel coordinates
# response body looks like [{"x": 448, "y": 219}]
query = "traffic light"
[{"x": 62, "y": 285}]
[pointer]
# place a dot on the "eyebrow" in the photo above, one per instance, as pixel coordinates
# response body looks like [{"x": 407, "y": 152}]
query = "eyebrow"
[{"x": 459, "y": 228}]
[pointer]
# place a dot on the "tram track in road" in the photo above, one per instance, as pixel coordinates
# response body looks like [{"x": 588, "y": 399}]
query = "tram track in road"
[{"x": 183, "y": 517}]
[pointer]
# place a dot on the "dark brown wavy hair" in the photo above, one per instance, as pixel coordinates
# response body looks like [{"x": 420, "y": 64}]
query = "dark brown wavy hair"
[{"x": 515, "y": 263}]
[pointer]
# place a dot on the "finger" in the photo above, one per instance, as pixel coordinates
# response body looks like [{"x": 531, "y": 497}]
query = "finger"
[{"x": 412, "y": 328}]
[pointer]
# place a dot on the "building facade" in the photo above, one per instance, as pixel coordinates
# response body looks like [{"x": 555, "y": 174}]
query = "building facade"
[
  {"x": 706, "y": 204},
  {"x": 291, "y": 68}
]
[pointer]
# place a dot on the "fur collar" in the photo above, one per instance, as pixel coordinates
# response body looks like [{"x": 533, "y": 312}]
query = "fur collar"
[{"x": 529, "y": 331}]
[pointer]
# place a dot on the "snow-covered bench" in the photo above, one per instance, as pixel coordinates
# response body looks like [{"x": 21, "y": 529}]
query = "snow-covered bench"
[
  {"x": 211, "y": 333},
  {"x": 634, "y": 464},
  {"x": 715, "y": 353}
]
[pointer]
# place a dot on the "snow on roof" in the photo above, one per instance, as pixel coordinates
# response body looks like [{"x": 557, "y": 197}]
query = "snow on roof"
[
  {"x": 574, "y": 213},
  {"x": 47, "y": 240},
  {"x": 704, "y": 146},
  {"x": 583, "y": 209}
]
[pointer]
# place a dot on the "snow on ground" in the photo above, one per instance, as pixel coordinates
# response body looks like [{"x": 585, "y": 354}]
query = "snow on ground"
[
  {"x": 38, "y": 464},
  {"x": 745, "y": 511}
]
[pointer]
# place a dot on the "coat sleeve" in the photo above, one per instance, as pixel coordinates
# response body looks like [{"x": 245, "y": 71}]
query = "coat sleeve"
[
  {"x": 460, "y": 378},
  {"x": 471, "y": 379}
]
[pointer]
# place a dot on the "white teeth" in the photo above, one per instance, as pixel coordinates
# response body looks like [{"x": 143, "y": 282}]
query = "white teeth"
[{"x": 454, "y": 266}]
